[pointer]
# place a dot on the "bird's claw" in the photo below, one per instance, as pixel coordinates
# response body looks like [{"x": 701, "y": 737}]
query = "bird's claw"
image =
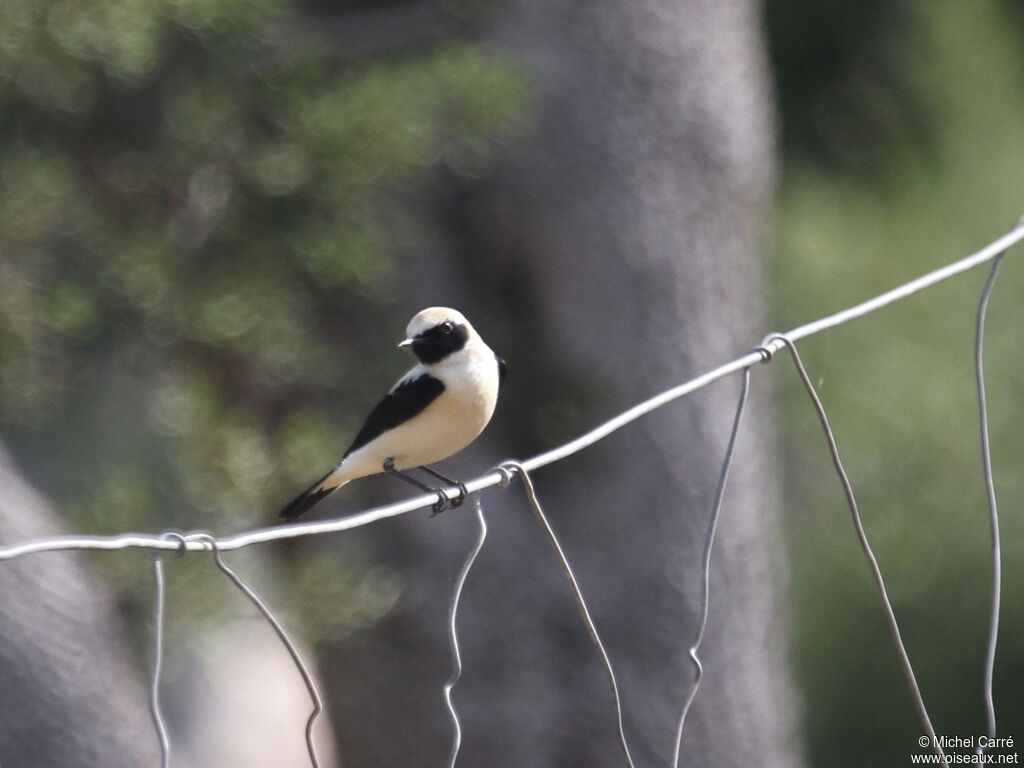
[
  {"x": 441, "y": 504},
  {"x": 463, "y": 494},
  {"x": 444, "y": 502}
]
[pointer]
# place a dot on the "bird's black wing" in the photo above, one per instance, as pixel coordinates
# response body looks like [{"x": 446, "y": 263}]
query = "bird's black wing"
[{"x": 409, "y": 398}]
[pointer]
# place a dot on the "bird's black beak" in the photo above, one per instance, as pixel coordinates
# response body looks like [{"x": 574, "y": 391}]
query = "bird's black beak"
[{"x": 407, "y": 342}]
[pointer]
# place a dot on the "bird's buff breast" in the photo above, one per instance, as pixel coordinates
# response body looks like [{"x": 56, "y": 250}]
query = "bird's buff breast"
[{"x": 445, "y": 427}]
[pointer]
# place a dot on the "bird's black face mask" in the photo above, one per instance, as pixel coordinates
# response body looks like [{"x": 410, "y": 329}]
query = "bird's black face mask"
[{"x": 435, "y": 344}]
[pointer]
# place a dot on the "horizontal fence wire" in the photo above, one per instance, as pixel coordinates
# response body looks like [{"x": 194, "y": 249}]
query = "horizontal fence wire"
[
  {"x": 199, "y": 540},
  {"x": 500, "y": 477}
]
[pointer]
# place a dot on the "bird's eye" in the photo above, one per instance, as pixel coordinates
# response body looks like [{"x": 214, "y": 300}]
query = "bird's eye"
[{"x": 446, "y": 327}]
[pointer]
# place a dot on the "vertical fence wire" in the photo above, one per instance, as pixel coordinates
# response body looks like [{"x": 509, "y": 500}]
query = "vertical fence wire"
[
  {"x": 283, "y": 636},
  {"x": 159, "y": 602},
  {"x": 453, "y": 632},
  {"x": 705, "y": 568},
  {"x": 876, "y": 571},
  {"x": 531, "y": 494},
  {"x": 993, "y": 509}
]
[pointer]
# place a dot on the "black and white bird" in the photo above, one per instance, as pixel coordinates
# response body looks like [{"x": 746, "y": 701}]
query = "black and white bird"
[{"x": 434, "y": 411}]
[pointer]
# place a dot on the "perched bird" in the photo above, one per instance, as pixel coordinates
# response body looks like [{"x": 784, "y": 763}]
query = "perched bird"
[{"x": 435, "y": 410}]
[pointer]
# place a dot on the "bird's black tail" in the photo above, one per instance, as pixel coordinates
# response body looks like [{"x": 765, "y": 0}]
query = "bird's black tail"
[{"x": 308, "y": 498}]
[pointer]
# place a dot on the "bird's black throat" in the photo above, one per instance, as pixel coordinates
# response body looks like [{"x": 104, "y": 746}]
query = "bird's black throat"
[{"x": 435, "y": 344}]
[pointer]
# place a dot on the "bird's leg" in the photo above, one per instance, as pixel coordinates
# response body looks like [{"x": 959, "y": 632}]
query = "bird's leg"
[
  {"x": 463, "y": 490},
  {"x": 442, "y": 498}
]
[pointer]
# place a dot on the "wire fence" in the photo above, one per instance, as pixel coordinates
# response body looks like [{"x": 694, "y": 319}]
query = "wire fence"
[{"x": 502, "y": 475}]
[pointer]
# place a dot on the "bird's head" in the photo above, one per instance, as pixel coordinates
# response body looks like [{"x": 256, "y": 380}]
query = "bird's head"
[{"x": 437, "y": 332}]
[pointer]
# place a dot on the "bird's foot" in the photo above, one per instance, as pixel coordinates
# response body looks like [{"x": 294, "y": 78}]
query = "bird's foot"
[
  {"x": 463, "y": 494},
  {"x": 453, "y": 503},
  {"x": 443, "y": 502}
]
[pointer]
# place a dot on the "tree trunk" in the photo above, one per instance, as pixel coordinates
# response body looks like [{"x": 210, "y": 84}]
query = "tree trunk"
[
  {"x": 616, "y": 255},
  {"x": 70, "y": 694}
]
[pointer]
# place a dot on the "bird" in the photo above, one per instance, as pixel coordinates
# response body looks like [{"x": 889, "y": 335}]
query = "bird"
[{"x": 435, "y": 410}]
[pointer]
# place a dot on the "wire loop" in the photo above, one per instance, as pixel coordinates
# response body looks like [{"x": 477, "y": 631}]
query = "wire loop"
[
  {"x": 180, "y": 538},
  {"x": 507, "y": 470},
  {"x": 766, "y": 348}
]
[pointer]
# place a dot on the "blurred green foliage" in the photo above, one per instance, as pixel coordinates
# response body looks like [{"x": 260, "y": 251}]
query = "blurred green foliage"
[
  {"x": 190, "y": 203},
  {"x": 910, "y": 155},
  {"x": 198, "y": 201}
]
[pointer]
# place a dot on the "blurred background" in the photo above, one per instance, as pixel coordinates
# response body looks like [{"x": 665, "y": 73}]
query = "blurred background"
[{"x": 216, "y": 218}]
